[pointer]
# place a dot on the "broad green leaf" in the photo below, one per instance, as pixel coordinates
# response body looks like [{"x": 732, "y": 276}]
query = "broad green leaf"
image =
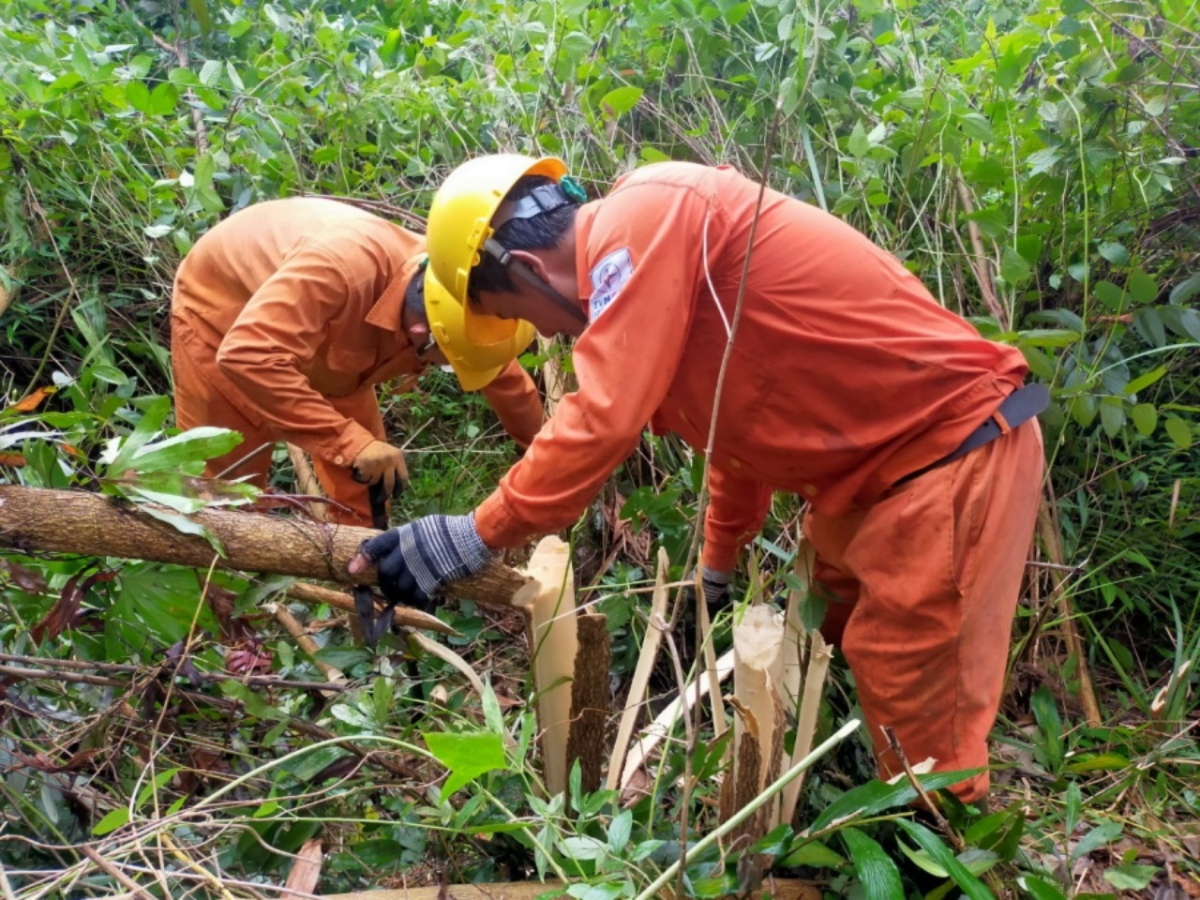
[
  {"x": 1115, "y": 253},
  {"x": 199, "y": 9},
  {"x": 255, "y": 705},
  {"x": 467, "y": 756},
  {"x": 858, "y": 145},
  {"x": 352, "y": 715},
  {"x": 1049, "y": 337},
  {"x": 814, "y": 854},
  {"x": 1039, "y": 889},
  {"x": 111, "y": 822},
  {"x": 1131, "y": 877},
  {"x": 153, "y": 416},
  {"x": 210, "y": 72},
  {"x": 157, "y": 231},
  {"x": 1142, "y": 287},
  {"x": 1098, "y": 837},
  {"x": 186, "y": 526},
  {"x": 1185, "y": 290},
  {"x": 1013, "y": 267},
  {"x": 580, "y": 846},
  {"x": 163, "y": 99},
  {"x": 875, "y": 796},
  {"x": 1145, "y": 419},
  {"x": 138, "y": 96},
  {"x": 1113, "y": 298},
  {"x": 1144, "y": 380},
  {"x": 1112, "y": 415},
  {"x": 193, "y": 446},
  {"x": 944, "y": 857},
  {"x": 1179, "y": 431},
  {"x": 608, "y": 890},
  {"x": 1149, "y": 325},
  {"x": 877, "y": 873},
  {"x": 620, "y": 100},
  {"x": 156, "y": 784},
  {"x": 619, "y": 830}
]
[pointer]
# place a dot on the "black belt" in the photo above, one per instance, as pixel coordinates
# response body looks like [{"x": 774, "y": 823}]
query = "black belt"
[{"x": 1018, "y": 407}]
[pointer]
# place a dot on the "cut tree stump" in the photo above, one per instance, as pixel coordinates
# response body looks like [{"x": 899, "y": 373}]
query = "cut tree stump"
[{"x": 41, "y": 520}]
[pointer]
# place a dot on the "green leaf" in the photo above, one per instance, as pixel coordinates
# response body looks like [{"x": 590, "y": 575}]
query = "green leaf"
[
  {"x": 467, "y": 756},
  {"x": 1110, "y": 295},
  {"x": 491, "y": 710},
  {"x": 944, "y": 857},
  {"x": 199, "y": 9},
  {"x": 1048, "y": 337},
  {"x": 138, "y": 96},
  {"x": 878, "y": 874},
  {"x": 1149, "y": 325},
  {"x": 1115, "y": 253},
  {"x": 254, "y": 704},
  {"x": 163, "y": 99},
  {"x": 1112, "y": 415},
  {"x": 1040, "y": 890},
  {"x": 1131, "y": 877},
  {"x": 157, "y": 784},
  {"x": 620, "y": 100},
  {"x": 1102, "y": 834},
  {"x": 1179, "y": 431},
  {"x": 875, "y": 796},
  {"x": 111, "y": 822},
  {"x": 1185, "y": 290},
  {"x": 1013, "y": 267},
  {"x": 1142, "y": 287},
  {"x": 193, "y": 446},
  {"x": 1144, "y": 380},
  {"x": 619, "y": 830},
  {"x": 858, "y": 145},
  {"x": 814, "y": 854},
  {"x": 1145, "y": 419},
  {"x": 186, "y": 526}
]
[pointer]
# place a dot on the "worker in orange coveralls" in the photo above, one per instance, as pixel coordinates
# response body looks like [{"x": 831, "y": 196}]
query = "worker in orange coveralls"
[
  {"x": 909, "y": 435},
  {"x": 286, "y": 315}
]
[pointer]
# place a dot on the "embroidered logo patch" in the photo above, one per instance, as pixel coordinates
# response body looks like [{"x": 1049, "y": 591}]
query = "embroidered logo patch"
[{"x": 608, "y": 277}]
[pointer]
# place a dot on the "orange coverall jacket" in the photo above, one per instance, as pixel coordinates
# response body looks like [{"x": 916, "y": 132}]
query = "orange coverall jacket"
[
  {"x": 290, "y": 311},
  {"x": 845, "y": 376}
]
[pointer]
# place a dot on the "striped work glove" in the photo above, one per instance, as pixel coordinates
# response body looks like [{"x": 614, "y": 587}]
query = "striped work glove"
[{"x": 416, "y": 559}]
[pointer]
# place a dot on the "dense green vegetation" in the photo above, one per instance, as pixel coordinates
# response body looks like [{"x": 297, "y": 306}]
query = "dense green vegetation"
[{"x": 1034, "y": 161}]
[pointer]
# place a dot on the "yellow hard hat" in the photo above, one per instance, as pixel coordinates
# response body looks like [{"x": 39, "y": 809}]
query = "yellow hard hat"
[
  {"x": 460, "y": 221},
  {"x": 475, "y": 364}
]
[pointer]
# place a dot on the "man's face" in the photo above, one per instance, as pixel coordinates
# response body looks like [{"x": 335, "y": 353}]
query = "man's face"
[{"x": 532, "y": 306}]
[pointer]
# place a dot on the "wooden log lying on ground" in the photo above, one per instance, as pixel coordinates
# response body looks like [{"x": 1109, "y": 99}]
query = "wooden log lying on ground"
[{"x": 39, "y": 519}]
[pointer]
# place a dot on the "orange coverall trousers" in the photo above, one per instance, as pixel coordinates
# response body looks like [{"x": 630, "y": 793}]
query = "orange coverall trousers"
[
  {"x": 199, "y": 402},
  {"x": 926, "y": 583}
]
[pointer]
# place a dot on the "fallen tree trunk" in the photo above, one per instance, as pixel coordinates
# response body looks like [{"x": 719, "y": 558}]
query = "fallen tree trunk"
[{"x": 39, "y": 519}]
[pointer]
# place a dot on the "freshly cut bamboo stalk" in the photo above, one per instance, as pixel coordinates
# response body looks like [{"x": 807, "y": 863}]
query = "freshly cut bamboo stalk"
[
  {"x": 285, "y": 618},
  {"x": 401, "y": 615},
  {"x": 795, "y": 645},
  {"x": 666, "y": 720},
  {"x": 589, "y": 700},
  {"x": 641, "y": 673},
  {"x": 554, "y": 646},
  {"x": 806, "y": 723},
  {"x": 759, "y": 725},
  {"x": 307, "y": 483},
  {"x": 709, "y": 654}
]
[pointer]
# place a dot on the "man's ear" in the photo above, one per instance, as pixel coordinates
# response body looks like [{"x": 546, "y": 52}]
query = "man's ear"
[{"x": 533, "y": 262}]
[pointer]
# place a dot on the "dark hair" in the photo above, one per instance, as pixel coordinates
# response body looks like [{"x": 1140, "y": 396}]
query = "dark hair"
[
  {"x": 540, "y": 232},
  {"x": 414, "y": 295}
]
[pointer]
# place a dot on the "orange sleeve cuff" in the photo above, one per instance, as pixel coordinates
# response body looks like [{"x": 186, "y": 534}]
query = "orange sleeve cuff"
[{"x": 496, "y": 524}]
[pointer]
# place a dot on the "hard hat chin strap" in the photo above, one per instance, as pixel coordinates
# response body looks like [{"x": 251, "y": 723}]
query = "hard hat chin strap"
[{"x": 522, "y": 271}]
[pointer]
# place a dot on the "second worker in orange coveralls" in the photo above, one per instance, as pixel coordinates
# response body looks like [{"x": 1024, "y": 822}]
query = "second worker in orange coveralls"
[
  {"x": 909, "y": 435},
  {"x": 286, "y": 315}
]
